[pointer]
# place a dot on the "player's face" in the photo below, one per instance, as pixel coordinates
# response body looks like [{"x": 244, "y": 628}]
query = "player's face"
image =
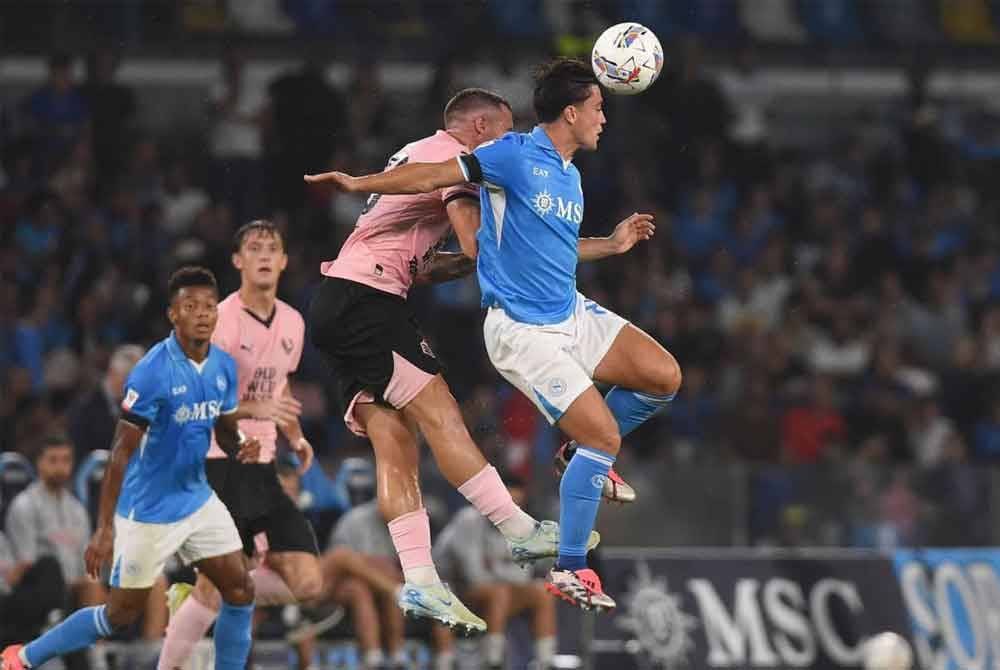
[
  {"x": 194, "y": 311},
  {"x": 261, "y": 259},
  {"x": 55, "y": 465},
  {"x": 590, "y": 119}
]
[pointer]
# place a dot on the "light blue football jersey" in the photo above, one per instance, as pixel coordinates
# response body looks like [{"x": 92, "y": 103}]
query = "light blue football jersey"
[
  {"x": 178, "y": 402},
  {"x": 531, "y": 204}
]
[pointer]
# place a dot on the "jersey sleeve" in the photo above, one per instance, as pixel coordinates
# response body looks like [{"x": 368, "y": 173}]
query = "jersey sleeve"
[
  {"x": 491, "y": 162},
  {"x": 466, "y": 190},
  {"x": 143, "y": 395}
]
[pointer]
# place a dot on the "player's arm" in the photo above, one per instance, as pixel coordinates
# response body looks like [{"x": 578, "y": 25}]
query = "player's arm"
[
  {"x": 128, "y": 436},
  {"x": 463, "y": 214},
  {"x": 404, "y": 179},
  {"x": 446, "y": 266},
  {"x": 292, "y": 430},
  {"x": 627, "y": 234}
]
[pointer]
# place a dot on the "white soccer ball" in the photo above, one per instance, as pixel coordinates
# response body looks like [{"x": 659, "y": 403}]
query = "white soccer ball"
[
  {"x": 887, "y": 651},
  {"x": 627, "y": 58}
]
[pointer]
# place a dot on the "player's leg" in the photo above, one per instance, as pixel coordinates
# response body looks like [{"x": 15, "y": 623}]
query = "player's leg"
[
  {"x": 400, "y": 503},
  {"x": 538, "y": 362},
  {"x": 291, "y": 571},
  {"x": 644, "y": 374},
  {"x": 154, "y": 619},
  {"x": 533, "y": 597},
  {"x": 214, "y": 546}
]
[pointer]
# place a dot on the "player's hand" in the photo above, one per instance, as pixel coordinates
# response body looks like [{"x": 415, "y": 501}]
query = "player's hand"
[
  {"x": 249, "y": 451},
  {"x": 99, "y": 551},
  {"x": 633, "y": 230},
  {"x": 339, "y": 180},
  {"x": 304, "y": 451}
]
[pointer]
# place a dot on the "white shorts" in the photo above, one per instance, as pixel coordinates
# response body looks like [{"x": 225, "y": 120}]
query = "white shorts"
[
  {"x": 552, "y": 364},
  {"x": 142, "y": 549}
]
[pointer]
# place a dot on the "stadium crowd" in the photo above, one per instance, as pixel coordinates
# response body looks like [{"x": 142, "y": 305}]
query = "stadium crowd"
[{"x": 831, "y": 302}]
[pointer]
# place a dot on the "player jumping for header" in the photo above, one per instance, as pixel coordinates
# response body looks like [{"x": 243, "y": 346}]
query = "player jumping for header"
[
  {"x": 390, "y": 379},
  {"x": 155, "y": 500},
  {"x": 543, "y": 336}
]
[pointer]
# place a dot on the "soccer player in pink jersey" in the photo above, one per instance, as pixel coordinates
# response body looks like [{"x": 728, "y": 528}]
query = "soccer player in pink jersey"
[
  {"x": 391, "y": 383},
  {"x": 265, "y": 336}
]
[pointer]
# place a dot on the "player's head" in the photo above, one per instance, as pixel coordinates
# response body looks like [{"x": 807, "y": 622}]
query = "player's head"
[
  {"x": 55, "y": 461},
  {"x": 122, "y": 361},
  {"x": 475, "y": 115},
  {"x": 194, "y": 303},
  {"x": 567, "y": 92},
  {"x": 259, "y": 254}
]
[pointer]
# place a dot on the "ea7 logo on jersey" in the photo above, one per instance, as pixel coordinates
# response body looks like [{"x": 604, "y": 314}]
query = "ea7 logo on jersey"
[{"x": 206, "y": 410}]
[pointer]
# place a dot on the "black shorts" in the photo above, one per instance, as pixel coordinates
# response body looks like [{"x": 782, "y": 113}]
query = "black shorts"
[
  {"x": 258, "y": 504},
  {"x": 358, "y": 329}
]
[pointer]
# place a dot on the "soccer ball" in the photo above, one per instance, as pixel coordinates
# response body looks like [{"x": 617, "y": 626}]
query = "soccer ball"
[
  {"x": 887, "y": 651},
  {"x": 627, "y": 58}
]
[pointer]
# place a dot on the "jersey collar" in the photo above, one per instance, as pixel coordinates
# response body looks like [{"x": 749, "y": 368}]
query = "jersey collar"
[
  {"x": 176, "y": 353},
  {"x": 542, "y": 139}
]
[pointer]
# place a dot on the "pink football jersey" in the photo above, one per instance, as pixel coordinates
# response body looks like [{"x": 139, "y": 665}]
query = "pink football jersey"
[
  {"x": 396, "y": 235},
  {"x": 266, "y": 353}
]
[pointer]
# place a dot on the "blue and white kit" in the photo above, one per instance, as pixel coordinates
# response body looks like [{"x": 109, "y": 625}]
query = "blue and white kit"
[
  {"x": 542, "y": 335},
  {"x": 166, "y": 505}
]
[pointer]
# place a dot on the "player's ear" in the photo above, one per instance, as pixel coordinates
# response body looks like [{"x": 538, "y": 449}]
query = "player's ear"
[
  {"x": 284, "y": 261},
  {"x": 570, "y": 114},
  {"x": 479, "y": 123},
  {"x": 171, "y": 314},
  {"x": 237, "y": 261}
]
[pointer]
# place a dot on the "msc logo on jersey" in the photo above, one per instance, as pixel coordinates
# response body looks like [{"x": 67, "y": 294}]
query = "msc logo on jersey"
[
  {"x": 567, "y": 210},
  {"x": 220, "y": 383},
  {"x": 206, "y": 410}
]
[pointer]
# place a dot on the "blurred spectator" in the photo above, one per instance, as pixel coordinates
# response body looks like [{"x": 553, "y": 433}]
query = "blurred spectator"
[
  {"x": 93, "y": 417},
  {"x": 30, "y": 592},
  {"x": 112, "y": 112},
  {"x": 182, "y": 201},
  {"x": 239, "y": 108},
  {"x": 46, "y": 520},
  {"x": 308, "y": 126},
  {"x": 987, "y": 435},
  {"x": 56, "y": 114},
  {"x": 813, "y": 431},
  {"x": 932, "y": 437}
]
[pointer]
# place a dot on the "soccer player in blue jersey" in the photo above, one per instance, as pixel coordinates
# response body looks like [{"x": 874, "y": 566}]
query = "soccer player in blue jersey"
[
  {"x": 543, "y": 336},
  {"x": 155, "y": 499}
]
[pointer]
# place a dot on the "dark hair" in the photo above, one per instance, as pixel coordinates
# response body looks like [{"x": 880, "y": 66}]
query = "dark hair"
[
  {"x": 560, "y": 83},
  {"x": 51, "y": 441},
  {"x": 190, "y": 275},
  {"x": 468, "y": 99},
  {"x": 259, "y": 226}
]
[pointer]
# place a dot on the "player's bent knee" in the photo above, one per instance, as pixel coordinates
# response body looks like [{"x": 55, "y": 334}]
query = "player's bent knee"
[
  {"x": 240, "y": 591},
  {"x": 668, "y": 379}
]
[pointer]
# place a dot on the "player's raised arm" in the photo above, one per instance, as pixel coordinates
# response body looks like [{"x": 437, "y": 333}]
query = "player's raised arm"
[
  {"x": 402, "y": 180},
  {"x": 127, "y": 438}
]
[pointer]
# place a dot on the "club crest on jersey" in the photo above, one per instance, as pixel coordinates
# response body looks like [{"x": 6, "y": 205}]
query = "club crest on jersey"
[
  {"x": 220, "y": 383},
  {"x": 287, "y": 345}
]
